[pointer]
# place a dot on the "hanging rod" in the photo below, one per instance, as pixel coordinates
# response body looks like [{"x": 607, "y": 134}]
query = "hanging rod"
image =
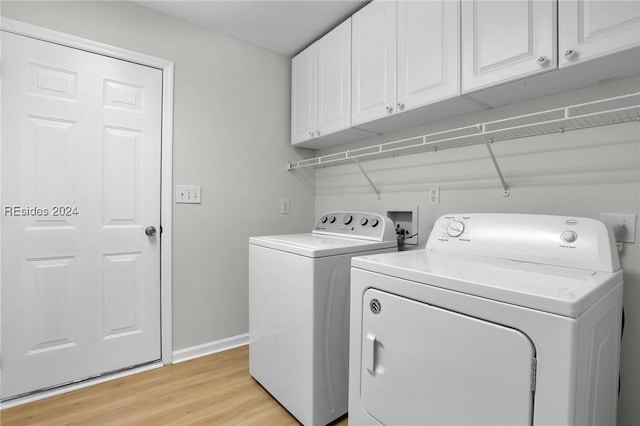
[{"x": 619, "y": 109}]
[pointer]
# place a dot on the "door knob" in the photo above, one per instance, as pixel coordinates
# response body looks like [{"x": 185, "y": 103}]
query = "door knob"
[{"x": 150, "y": 231}]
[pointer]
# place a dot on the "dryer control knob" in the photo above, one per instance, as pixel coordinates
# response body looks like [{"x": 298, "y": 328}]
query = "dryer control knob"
[
  {"x": 364, "y": 221},
  {"x": 324, "y": 219},
  {"x": 455, "y": 228},
  {"x": 569, "y": 236},
  {"x": 374, "y": 222},
  {"x": 347, "y": 219},
  {"x": 332, "y": 219}
]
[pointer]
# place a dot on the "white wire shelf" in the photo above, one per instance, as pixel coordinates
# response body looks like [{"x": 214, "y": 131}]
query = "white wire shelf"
[{"x": 619, "y": 109}]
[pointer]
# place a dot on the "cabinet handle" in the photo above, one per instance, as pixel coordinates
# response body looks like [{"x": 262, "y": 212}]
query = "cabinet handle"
[
  {"x": 389, "y": 108},
  {"x": 401, "y": 106},
  {"x": 542, "y": 60},
  {"x": 569, "y": 53}
]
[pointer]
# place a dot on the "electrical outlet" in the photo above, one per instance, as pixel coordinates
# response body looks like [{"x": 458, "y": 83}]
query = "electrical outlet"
[
  {"x": 622, "y": 225},
  {"x": 285, "y": 206},
  {"x": 434, "y": 195},
  {"x": 188, "y": 194}
]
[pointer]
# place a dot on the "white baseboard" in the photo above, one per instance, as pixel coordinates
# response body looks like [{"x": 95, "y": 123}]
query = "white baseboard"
[{"x": 197, "y": 351}]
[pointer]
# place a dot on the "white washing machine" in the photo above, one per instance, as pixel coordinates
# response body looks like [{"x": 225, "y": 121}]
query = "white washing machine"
[
  {"x": 299, "y": 311},
  {"x": 501, "y": 320}
]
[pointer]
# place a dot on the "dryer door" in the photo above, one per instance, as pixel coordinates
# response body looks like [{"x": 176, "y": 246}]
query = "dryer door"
[{"x": 423, "y": 365}]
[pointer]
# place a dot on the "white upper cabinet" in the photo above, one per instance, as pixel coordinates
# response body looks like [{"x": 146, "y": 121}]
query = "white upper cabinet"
[
  {"x": 304, "y": 94},
  {"x": 334, "y": 80},
  {"x": 373, "y": 62},
  {"x": 506, "y": 40},
  {"x": 405, "y": 55},
  {"x": 592, "y": 29},
  {"x": 428, "y": 52},
  {"x": 321, "y": 86}
]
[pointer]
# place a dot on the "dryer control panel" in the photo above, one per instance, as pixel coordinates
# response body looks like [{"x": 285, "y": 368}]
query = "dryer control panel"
[
  {"x": 551, "y": 240},
  {"x": 367, "y": 226}
]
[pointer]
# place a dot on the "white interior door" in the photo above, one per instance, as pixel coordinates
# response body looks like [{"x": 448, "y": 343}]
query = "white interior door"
[
  {"x": 423, "y": 365},
  {"x": 80, "y": 184}
]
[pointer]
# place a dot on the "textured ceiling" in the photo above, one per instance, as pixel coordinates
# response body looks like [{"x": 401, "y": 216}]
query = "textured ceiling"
[{"x": 282, "y": 26}]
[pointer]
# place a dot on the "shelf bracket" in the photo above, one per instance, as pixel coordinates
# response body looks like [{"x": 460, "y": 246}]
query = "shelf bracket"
[
  {"x": 495, "y": 162},
  {"x": 355, "y": 160}
]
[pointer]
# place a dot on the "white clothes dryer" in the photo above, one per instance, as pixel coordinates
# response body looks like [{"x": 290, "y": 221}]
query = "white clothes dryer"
[
  {"x": 502, "y": 320},
  {"x": 299, "y": 310}
]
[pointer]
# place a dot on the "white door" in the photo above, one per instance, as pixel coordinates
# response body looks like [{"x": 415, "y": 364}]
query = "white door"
[
  {"x": 373, "y": 66},
  {"x": 428, "y": 52},
  {"x": 304, "y": 94},
  {"x": 506, "y": 40},
  {"x": 80, "y": 183},
  {"x": 334, "y": 80},
  {"x": 423, "y": 365},
  {"x": 590, "y": 29}
]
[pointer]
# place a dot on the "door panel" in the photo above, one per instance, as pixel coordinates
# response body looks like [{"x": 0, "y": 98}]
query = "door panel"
[
  {"x": 373, "y": 66},
  {"x": 81, "y": 177},
  {"x": 423, "y": 365},
  {"x": 428, "y": 52},
  {"x": 304, "y": 94},
  {"x": 504, "y": 40},
  {"x": 590, "y": 29}
]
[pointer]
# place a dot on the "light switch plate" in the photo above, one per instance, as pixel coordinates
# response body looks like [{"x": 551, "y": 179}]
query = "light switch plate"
[
  {"x": 285, "y": 206},
  {"x": 623, "y": 226},
  {"x": 188, "y": 194}
]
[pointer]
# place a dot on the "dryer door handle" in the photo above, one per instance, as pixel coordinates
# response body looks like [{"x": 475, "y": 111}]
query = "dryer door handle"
[{"x": 369, "y": 352}]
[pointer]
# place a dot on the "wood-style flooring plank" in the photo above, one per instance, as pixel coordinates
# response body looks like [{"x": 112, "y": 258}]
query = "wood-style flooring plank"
[{"x": 215, "y": 389}]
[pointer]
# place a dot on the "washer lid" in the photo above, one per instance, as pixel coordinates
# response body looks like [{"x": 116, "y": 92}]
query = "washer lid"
[
  {"x": 313, "y": 245},
  {"x": 559, "y": 290}
]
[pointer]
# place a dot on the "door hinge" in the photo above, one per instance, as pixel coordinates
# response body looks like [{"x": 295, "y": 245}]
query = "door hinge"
[{"x": 534, "y": 371}]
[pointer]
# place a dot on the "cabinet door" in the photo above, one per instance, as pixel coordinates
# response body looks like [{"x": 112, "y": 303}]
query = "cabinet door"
[
  {"x": 428, "y": 52},
  {"x": 590, "y": 29},
  {"x": 506, "y": 40},
  {"x": 374, "y": 62},
  {"x": 304, "y": 94},
  {"x": 334, "y": 80}
]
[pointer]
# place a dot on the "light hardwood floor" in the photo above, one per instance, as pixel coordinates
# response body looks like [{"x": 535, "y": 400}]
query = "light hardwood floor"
[{"x": 216, "y": 389}]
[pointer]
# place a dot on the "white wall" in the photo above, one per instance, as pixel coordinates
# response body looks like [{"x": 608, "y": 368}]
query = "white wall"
[
  {"x": 580, "y": 173},
  {"x": 231, "y": 136}
]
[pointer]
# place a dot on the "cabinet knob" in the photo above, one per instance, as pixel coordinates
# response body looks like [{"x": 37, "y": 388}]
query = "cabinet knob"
[
  {"x": 569, "y": 53},
  {"x": 542, "y": 60},
  {"x": 400, "y": 106},
  {"x": 389, "y": 108}
]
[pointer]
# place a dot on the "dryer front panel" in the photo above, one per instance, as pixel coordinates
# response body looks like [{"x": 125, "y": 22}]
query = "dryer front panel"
[{"x": 424, "y": 365}]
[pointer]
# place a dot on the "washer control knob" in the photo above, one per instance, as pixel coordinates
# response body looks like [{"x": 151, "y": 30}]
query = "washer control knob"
[
  {"x": 455, "y": 228},
  {"x": 364, "y": 221},
  {"x": 332, "y": 219},
  {"x": 324, "y": 219},
  {"x": 347, "y": 219},
  {"x": 374, "y": 223},
  {"x": 569, "y": 236}
]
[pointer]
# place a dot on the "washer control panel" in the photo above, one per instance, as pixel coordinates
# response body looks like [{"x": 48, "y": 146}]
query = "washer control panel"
[
  {"x": 551, "y": 240},
  {"x": 361, "y": 225}
]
